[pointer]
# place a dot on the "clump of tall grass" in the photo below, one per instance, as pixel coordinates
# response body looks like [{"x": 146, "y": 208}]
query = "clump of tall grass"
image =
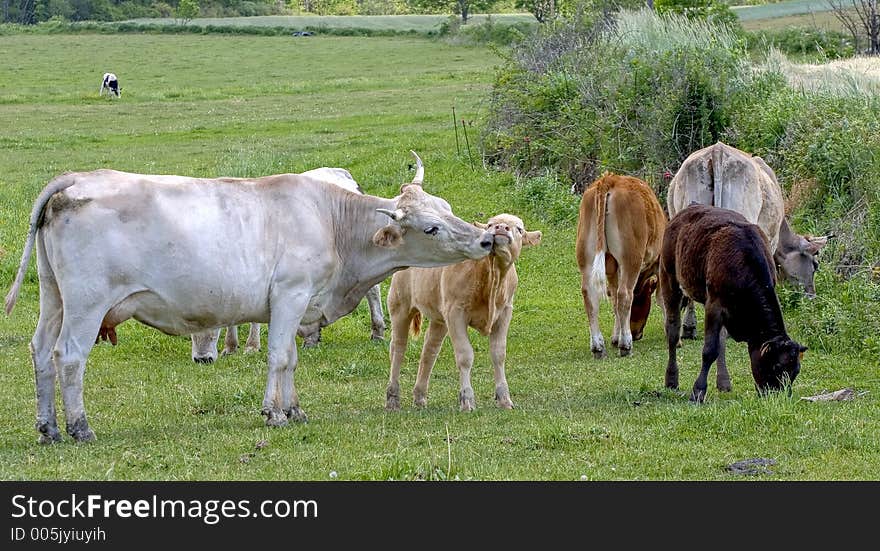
[{"x": 646, "y": 31}]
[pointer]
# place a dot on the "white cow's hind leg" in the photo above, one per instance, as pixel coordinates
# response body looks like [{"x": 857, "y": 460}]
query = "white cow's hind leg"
[
  {"x": 48, "y": 329},
  {"x": 78, "y": 332},
  {"x": 253, "y": 340},
  {"x": 377, "y": 318},
  {"x": 281, "y": 401}
]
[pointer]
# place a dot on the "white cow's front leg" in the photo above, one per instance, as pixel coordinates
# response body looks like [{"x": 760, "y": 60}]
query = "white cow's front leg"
[
  {"x": 377, "y": 318},
  {"x": 230, "y": 343},
  {"x": 204, "y": 346},
  {"x": 281, "y": 401}
]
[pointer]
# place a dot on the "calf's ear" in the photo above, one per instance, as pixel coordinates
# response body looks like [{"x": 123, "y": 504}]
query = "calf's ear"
[
  {"x": 532, "y": 238},
  {"x": 390, "y": 237},
  {"x": 815, "y": 244}
]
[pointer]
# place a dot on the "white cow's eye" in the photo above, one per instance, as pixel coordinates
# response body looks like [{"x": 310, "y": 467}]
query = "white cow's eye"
[
  {"x": 432, "y": 230},
  {"x": 521, "y": 231}
]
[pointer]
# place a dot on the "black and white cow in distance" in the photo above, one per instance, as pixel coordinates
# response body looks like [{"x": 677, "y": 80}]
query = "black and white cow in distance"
[
  {"x": 114, "y": 245},
  {"x": 204, "y": 344},
  {"x": 110, "y": 83}
]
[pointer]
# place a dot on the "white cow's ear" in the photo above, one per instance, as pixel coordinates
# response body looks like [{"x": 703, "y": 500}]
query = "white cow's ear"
[
  {"x": 481, "y": 225},
  {"x": 532, "y": 238},
  {"x": 390, "y": 237}
]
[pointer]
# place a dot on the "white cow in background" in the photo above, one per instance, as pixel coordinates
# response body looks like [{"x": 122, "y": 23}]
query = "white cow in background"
[
  {"x": 114, "y": 245},
  {"x": 204, "y": 345}
]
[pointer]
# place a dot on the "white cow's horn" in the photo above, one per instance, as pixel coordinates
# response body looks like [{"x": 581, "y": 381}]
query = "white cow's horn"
[
  {"x": 420, "y": 170},
  {"x": 393, "y": 214}
]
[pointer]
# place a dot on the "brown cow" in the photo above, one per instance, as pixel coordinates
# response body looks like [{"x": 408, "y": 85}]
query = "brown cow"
[
  {"x": 718, "y": 258},
  {"x": 476, "y": 294},
  {"x": 620, "y": 229}
]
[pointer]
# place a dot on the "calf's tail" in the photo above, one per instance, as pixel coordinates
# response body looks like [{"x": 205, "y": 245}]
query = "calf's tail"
[
  {"x": 415, "y": 326},
  {"x": 56, "y": 185},
  {"x": 598, "y": 281}
]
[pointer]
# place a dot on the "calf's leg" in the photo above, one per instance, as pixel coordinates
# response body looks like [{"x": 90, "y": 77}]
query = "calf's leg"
[
  {"x": 689, "y": 328},
  {"x": 253, "y": 340},
  {"x": 592, "y": 298},
  {"x": 464, "y": 359},
  {"x": 671, "y": 298},
  {"x": 430, "y": 349},
  {"x": 722, "y": 377},
  {"x": 498, "y": 354},
  {"x": 400, "y": 319},
  {"x": 711, "y": 346}
]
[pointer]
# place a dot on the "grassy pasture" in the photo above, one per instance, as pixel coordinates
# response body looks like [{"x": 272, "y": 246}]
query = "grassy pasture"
[
  {"x": 402, "y": 23},
  {"x": 246, "y": 106}
]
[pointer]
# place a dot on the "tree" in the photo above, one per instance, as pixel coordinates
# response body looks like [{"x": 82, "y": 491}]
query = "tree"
[
  {"x": 543, "y": 10},
  {"x": 186, "y": 11},
  {"x": 860, "y": 18},
  {"x": 464, "y": 8}
]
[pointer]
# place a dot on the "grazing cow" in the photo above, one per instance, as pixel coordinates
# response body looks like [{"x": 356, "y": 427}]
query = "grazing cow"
[
  {"x": 113, "y": 246},
  {"x": 474, "y": 293},
  {"x": 723, "y": 176},
  {"x": 619, "y": 234},
  {"x": 110, "y": 83},
  {"x": 204, "y": 345},
  {"x": 718, "y": 258}
]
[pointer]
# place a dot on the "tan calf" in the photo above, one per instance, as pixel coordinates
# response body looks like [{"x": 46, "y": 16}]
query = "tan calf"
[
  {"x": 620, "y": 232},
  {"x": 476, "y": 294}
]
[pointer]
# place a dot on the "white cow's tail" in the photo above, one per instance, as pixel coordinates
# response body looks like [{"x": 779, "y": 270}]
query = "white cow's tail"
[
  {"x": 56, "y": 185},
  {"x": 598, "y": 280},
  {"x": 717, "y": 185}
]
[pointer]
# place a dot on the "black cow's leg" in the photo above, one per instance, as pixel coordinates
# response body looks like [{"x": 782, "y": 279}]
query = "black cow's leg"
[
  {"x": 711, "y": 345},
  {"x": 722, "y": 377},
  {"x": 689, "y": 327},
  {"x": 671, "y": 297}
]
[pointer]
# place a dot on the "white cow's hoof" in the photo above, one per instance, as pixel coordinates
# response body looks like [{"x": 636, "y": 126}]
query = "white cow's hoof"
[
  {"x": 298, "y": 415},
  {"x": 275, "y": 418}
]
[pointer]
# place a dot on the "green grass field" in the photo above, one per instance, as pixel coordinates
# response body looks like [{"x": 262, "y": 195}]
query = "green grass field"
[{"x": 247, "y": 106}]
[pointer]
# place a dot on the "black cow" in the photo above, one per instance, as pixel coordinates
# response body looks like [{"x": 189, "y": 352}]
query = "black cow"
[{"x": 717, "y": 258}]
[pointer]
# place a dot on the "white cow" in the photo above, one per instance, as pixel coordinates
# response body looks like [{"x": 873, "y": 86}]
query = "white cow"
[
  {"x": 114, "y": 245},
  {"x": 204, "y": 345},
  {"x": 110, "y": 83}
]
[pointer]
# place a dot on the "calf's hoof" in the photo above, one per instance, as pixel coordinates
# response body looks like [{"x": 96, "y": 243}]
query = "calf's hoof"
[
  {"x": 625, "y": 351},
  {"x": 420, "y": 401},
  {"x": 698, "y": 395},
  {"x": 689, "y": 332},
  {"x": 378, "y": 334},
  {"x": 251, "y": 349},
  {"x": 504, "y": 403},
  {"x": 274, "y": 417},
  {"x": 598, "y": 354},
  {"x": 297, "y": 414},
  {"x": 466, "y": 401},
  {"x": 392, "y": 403},
  {"x": 49, "y": 433},
  {"x": 724, "y": 386},
  {"x": 229, "y": 351}
]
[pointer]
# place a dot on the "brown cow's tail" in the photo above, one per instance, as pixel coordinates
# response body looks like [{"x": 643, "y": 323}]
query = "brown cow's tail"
[
  {"x": 717, "y": 185},
  {"x": 598, "y": 281},
  {"x": 415, "y": 326},
  {"x": 56, "y": 185}
]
